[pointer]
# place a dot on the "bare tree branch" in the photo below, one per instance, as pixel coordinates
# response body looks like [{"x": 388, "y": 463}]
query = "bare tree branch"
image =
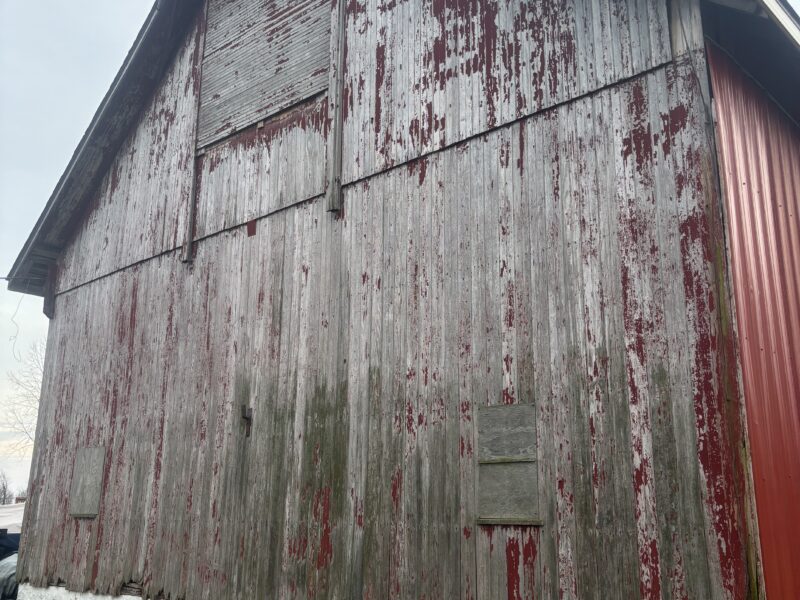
[
  {"x": 6, "y": 495},
  {"x": 23, "y": 403}
]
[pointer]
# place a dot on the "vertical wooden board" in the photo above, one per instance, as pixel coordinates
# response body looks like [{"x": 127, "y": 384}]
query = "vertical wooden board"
[
  {"x": 411, "y": 498},
  {"x": 575, "y": 213},
  {"x": 360, "y": 247},
  {"x": 465, "y": 367},
  {"x": 449, "y": 378},
  {"x": 485, "y": 584},
  {"x": 371, "y": 502},
  {"x": 562, "y": 352},
  {"x": 301, "y": 506},
  {"x": 435, "y": 423},
  {"x": 488, "y": 294},
  {"x": 377, "y": 497},
  {"x": 588, "y": 330},
  {"x": 506, "y": 269},
  {"x": 416, "y": 485},
  {"x": 398, "y": 394},
  {"x": 346, "y": 518}
]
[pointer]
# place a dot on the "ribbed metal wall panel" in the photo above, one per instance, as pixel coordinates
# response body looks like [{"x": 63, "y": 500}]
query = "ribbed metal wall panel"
[
  {"x": 261, "y": 56},
  {"x": 760, "y": 160}
]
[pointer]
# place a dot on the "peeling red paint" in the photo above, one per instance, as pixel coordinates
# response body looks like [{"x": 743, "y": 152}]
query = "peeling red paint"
[
  {"x": 672, "y": 124},
  {"x": 512, "y": 568},
  {"x": 709, "y": 404},
  {"x": 397, "y": 488},
  {"x": 298, "y": 544},
  {"x": 465, "y": 447},
  {"x": 311, "y": 114},
  {"x": 529, "y": 553},
  {"x": 410, "y": 419},
  {"x": 322, "y": 514},
  {"x": 488, "y": 532},
  {"x": 640, "y": 141},
  {"x": 380, "y": 74}
]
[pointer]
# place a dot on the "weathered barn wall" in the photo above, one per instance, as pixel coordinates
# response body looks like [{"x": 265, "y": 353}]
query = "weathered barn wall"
[
  {"x": 263, "y": 169},
  {"x": 760, "y": 164},
  {"x": 503, "y": 270},
  {"x": 421, "y": 75},
  {"x": 566, "y": 259},
  {"x": 141, "y": 206}
]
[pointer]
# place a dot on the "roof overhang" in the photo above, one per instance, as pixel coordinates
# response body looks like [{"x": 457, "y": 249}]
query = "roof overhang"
[
  {"x": 784, "y": 17},
  {"x": 763, "y": 38},
  {"x": 134, "y": 84},
  {"x": 776, "y": 10}
]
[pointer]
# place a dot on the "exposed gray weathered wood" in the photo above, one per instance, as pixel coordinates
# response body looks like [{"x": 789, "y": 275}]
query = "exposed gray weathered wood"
[
  {"x": 506, "y": 433},
  {"x": 507, "y": 493},
  {"x": 87, "y": 482}
]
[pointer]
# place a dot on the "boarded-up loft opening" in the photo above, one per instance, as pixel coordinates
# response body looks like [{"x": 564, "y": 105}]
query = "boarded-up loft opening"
[
  {"x": 260, "y": 57},
  {"x": 507, "y": 469}
]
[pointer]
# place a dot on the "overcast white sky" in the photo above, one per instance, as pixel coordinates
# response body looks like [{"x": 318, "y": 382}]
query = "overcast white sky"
[{"x": 57, "y": 59}]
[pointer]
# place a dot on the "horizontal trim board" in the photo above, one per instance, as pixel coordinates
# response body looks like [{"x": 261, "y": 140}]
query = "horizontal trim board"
[{"x": 509, "y": 521}]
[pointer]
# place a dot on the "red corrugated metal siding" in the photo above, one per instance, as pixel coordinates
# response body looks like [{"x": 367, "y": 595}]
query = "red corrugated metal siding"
[{"x": 760, "y": 155}]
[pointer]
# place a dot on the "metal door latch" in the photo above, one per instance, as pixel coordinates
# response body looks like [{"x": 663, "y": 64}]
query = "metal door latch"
[{"x": 247, "y": 417}]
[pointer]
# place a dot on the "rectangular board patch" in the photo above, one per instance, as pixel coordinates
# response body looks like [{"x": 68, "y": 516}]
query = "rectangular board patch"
[
  {"x": 507, "y": 468},
  {"x": 87, "y": 481}
]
